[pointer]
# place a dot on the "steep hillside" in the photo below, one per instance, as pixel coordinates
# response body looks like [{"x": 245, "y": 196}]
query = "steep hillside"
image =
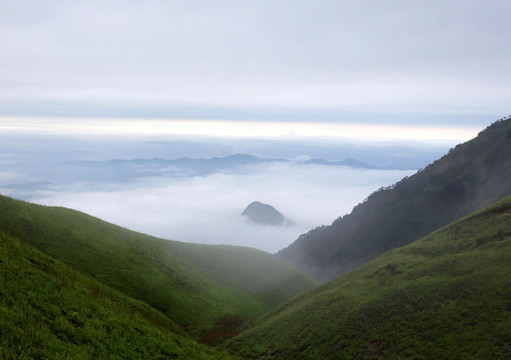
[
  {"x": 471, "y": 176},
  {"x": 446, "y": 296},
  {"x": 197, "y": 286},
  {"x": 48, "y": 310}
]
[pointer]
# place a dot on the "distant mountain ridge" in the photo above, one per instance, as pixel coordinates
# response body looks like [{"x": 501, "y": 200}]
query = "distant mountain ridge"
[
  {"x": 124, "y": 170},
  {"x": 469, "y": 177}
]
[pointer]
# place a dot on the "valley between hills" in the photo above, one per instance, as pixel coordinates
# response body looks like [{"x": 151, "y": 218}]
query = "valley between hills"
[{"x": 420, "y": 270}]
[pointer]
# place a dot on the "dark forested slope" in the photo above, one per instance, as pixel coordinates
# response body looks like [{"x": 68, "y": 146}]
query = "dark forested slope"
[{"x": 469, "y": 177}]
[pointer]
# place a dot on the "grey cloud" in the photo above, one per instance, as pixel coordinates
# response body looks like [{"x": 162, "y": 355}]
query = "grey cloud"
[{"x": 383, "y": 56}]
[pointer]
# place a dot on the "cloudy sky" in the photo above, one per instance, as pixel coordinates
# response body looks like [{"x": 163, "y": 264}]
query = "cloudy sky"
[
  {"x": 392, "y": 83},
  {"x": 330, "y": 61}
]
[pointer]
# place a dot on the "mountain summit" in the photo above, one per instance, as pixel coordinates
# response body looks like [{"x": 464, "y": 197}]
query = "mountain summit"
[
  {"x": 471, "y": 176},
  {"x": 263, "y": 214}
]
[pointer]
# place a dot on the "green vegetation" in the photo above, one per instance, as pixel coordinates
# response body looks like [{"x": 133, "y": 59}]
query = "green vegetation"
[
  {"x": 471, "y": 176},
  {"x": 446, "y": 296},
  {"x": 73, "y": 286},
  {"x": 48, "y": 310},
  {"x": 196, "y": 286}
]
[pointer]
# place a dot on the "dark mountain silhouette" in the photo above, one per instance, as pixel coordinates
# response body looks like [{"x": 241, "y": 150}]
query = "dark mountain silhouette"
[
  {"x": 471, "y": 176},
  {"x": 264, "y": 214}
]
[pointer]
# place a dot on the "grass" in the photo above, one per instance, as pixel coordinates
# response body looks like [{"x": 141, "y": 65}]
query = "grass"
[
  {"x": 73, "y": 286},
  {"x": 195, "y": 286},
  {"x": 48, "y": 310},
  {"x": 446, "y": 296}
]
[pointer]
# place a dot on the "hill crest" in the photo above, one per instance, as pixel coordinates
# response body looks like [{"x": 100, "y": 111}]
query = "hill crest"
[{"x": 471, "y": 176}]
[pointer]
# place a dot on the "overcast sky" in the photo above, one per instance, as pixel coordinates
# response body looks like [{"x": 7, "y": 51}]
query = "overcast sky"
[
  {"x": 392, "y": 83},
  {"x": 364, "y": 61}
]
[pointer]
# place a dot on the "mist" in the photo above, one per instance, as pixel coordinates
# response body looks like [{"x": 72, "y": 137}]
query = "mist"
[
  {"x": 208, "y": 209},
  {"x": 135, "y": 184}
]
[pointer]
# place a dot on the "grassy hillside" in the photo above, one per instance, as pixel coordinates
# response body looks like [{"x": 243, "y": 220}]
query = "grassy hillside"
[
  {"x": 48, "y": 310},
  {"x": 471, "y": 176},
  {"x": 199, "y": 287},
  {"x": 446, "y": 296}
]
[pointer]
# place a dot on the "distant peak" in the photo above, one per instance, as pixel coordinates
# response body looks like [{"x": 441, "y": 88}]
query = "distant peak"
[{"x": 263, "y": 214}]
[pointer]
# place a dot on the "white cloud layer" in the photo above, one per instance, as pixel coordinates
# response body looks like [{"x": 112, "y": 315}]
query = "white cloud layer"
[
  {"x": 231, "y": 129},
  {"x": 208, "y": 209}
]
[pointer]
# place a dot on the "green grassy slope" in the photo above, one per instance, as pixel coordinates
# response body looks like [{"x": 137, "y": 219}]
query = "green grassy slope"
[
  {"x": 48, "y": 310},
  {"x": 446, "y": 296},
  {"x": 196, "y": 286}
]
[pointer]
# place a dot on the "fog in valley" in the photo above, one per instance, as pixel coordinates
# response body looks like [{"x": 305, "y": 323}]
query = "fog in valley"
[
  {"x": 195, "y": 189},
  {"x": 208, "y": 209}
]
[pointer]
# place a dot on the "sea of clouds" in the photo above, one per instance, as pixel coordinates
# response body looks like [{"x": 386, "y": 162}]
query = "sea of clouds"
[{"x": 207, "y": 208}]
